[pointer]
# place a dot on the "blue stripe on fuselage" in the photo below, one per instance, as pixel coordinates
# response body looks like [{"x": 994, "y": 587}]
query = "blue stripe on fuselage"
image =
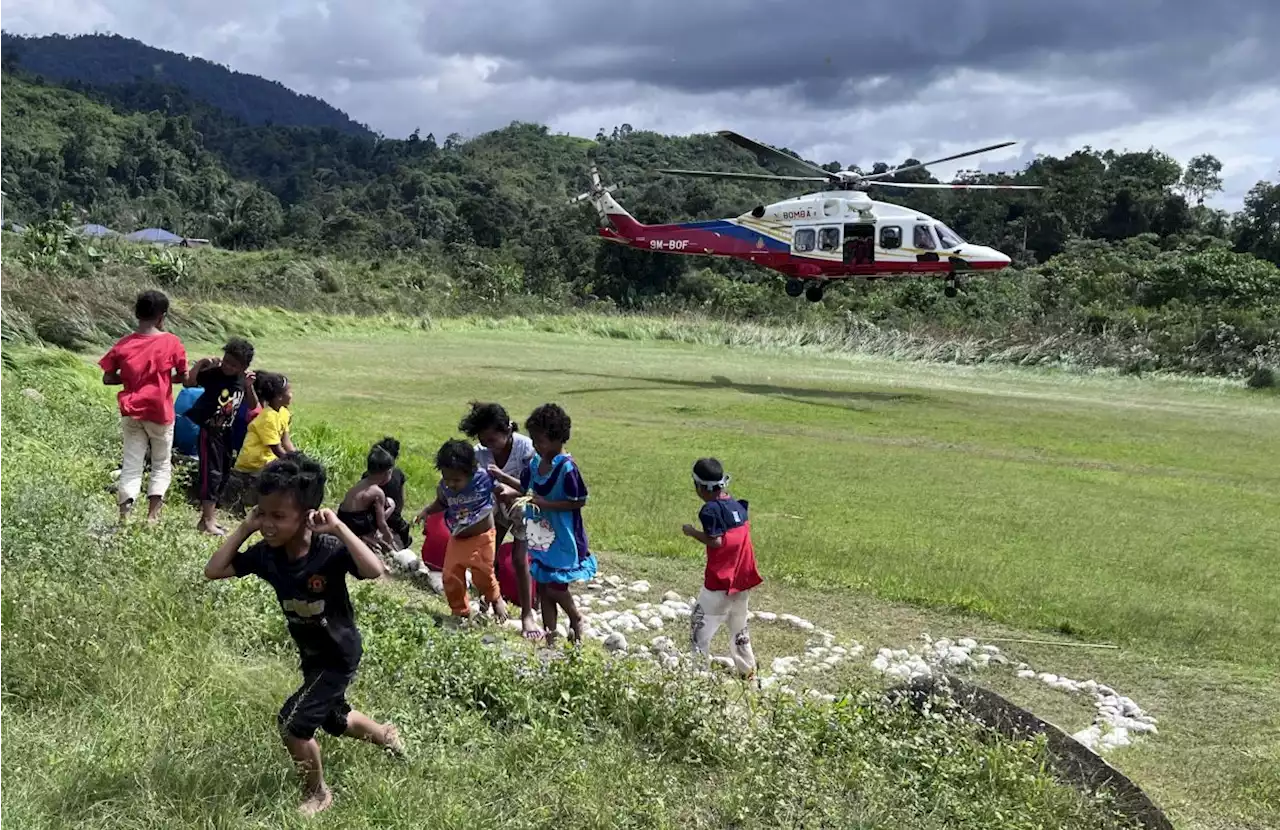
[{"x": 726, "y": 228}]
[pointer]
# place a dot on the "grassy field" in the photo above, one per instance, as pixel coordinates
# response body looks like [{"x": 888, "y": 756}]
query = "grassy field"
[
  {"x": 137, "y": 695},
  {"x": 891, "y": 499}
]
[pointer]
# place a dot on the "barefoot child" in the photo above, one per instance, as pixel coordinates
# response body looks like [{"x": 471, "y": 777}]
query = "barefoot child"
[
  {"x": 731, "y": 566},
  {"x": 266, "y": 440},
  {"x": 506, "y": 454},
  {"x": 226, "y": 382},
  {"x": 145, "y": 363},
  {"x": 305, "y": 555},
  {"x": 556, "y": 536},
  {"x": 466, "y": 495},
  {"x": 365, "y": 507},
  {"x": 395, "y": 496}
]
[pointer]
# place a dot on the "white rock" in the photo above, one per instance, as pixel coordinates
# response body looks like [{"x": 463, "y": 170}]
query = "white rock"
[
  {"x": 613, "y": 581},
  {"x": 839, "y": 650},
  {"x": 803, "y": 625},
  {"x": 667, "y": 612},
  {"x": 723, "y": 662},
  {"x": 686, "y": 611},
  {"x": 957, "y": 656},
  {"x": 990, "y": 649},
  {"x": 654, "y": 623},
  {"x": 671, "y": 596},
  {"x": 615, "y": 642},
  {"x": 880, "y": 663},
  {"x": 968, "y": 642},
  {"x": 663, "y": 644},
  {"x": 766, "y": 616},
  {"x": 1089, "y": 736},
  {"x": 639, "y": 587},
  {"x": 642, "y": 606},
  {"x": 1116, "y": 738},
  {"x": 1026, "y": 674},
  {"x": 767, "y": 681},
  {"x": 1048, "y": 679}
]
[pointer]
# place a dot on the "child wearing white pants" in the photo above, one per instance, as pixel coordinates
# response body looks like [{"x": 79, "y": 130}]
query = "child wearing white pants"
[
  {"x": 139, "y": 437},
  {"x": 145, "y": 364},
  {"x": 731, "y": 566}
]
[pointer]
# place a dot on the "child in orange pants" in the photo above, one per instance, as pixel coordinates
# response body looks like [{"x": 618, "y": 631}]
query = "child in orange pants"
[{"x": 465, "y": 495}]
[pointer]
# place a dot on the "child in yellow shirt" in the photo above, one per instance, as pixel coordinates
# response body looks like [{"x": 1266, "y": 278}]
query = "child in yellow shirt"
[{"x": 266, "y": 440}]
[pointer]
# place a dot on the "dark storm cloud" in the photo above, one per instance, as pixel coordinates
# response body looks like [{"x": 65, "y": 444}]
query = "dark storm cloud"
[{"x": 1179, "y": 48}]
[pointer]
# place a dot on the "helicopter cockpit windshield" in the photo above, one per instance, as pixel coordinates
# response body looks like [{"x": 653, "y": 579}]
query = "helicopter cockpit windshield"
[{"x": 948, "y": 237}]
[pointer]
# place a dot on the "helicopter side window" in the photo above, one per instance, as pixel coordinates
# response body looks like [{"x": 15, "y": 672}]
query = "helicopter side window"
[
  {"x": 803, "y": 240},
  {"x": 890, "y": 237},
  {"x": 829, "y": 239},
  {"x": 924, "y": 238}
]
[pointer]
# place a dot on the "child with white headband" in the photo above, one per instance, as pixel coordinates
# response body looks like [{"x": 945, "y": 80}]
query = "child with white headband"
[{"x": 731, "y": 566}]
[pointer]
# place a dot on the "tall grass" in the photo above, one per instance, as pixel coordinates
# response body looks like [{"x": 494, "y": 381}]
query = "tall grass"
[{"x": 138, "y": 695}]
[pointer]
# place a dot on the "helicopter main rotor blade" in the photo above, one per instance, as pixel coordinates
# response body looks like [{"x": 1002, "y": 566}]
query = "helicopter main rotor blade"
[
  {"x": 779, "y": 156},
  {"x": 766, "y": 177},
  {"x": 875, "y": 176},
  {"x": 957, "y": 186}
]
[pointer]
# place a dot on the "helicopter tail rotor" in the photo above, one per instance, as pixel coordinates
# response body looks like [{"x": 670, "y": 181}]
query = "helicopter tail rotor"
[{"x": 601, "y": 198}]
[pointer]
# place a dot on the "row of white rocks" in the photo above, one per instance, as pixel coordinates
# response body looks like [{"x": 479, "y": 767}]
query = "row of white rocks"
[{"x": 613, "y": 609}]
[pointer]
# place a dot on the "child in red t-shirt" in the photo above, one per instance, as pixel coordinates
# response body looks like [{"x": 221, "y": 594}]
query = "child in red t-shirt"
[
  {"x": 145, "y": 363},
  {"x": 731, "y": 566}
]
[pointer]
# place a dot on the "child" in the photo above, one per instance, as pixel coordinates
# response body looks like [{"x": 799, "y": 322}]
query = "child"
[
  {"x": 731, "y": 566},
  {"x": 466, "y": 496},
  {"x": 145, "y": 363},
  {"x": 394, "y": 489},
  {"x": 365, "y": 507},
  {"x": 226, "y": 382},
  {"x": 266, "y": 440},
  {"x": 305, "y": 555},
  {"x": 556, "y": 536},
  {"x": 506, "y": 454}
]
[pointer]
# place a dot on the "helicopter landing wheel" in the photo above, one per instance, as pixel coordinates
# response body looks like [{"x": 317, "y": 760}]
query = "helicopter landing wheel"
[
  {"x": 813, "y": 293},
  {"x": 952, "y": 287},
  {"x": 794, "y": 287}
]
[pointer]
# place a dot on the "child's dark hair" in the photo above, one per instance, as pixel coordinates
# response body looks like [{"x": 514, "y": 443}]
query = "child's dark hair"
[
  {"x": 484, "y": 416},
  {"x": 151, "y": 305},
  {"x": 550, "y": 420},
  {"x": 379, "y": 461},
  {"x": 456, "y": 455},
  {"x": 297, "y": 474},
  {"x": 391, "y": 445},
  {"x": 240, "y": 349},
  {"x": 709, "y": 469},
  {"x": 270, "y": 385}
]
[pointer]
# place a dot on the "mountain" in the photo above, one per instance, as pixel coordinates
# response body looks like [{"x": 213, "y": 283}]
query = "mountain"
[{"x": 111, "y": 59}]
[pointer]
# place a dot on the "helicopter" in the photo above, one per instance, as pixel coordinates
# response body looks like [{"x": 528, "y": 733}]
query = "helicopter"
[{"x": 838, "y": 233}]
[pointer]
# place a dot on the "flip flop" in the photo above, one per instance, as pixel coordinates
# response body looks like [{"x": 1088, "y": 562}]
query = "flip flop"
[{"x": 537, "y": 635}]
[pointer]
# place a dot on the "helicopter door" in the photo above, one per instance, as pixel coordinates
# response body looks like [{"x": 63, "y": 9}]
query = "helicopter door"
[{"x": 859, "y": 244}]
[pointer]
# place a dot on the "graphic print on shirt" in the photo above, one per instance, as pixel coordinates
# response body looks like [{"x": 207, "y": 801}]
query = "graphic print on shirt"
[
  {"x": 228, "y": 405},
  {"x": 539, "y": 534}
]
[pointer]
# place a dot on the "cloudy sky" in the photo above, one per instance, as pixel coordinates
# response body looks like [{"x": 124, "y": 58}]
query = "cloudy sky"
[{"x": 836, "y": 80}]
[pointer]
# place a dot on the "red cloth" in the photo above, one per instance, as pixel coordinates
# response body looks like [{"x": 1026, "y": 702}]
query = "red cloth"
[
  {"x": 436, "y": 539},
  {"x": 732, "y": 566},
  {"x": 146, "y": 363}
]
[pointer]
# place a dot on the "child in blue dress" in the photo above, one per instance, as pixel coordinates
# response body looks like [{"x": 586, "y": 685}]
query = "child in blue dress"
[{"x": 557, "y": 539}]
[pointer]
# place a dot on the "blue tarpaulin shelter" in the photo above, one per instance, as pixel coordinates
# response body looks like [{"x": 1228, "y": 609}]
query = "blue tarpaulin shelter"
[{"x": 159, "y": 236}]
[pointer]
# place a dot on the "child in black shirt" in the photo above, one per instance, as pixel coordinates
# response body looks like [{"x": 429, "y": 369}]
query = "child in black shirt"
[
  {"x": 305, "y": 555},
  {"x": 227, "y": 382}
]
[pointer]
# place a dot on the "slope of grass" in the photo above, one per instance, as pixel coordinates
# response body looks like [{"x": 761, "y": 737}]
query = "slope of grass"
[{"x": 137, "y": 695}]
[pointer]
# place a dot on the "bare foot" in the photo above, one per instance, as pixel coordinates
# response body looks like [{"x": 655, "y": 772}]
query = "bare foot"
[
  {"x": 530, "y": 628},
  {"x": 575, "y": 631},
  {"x": 212, "y": 530},
  {"x": 391, "y": 740},
  {"x": 316, "y": 802},
  {"x": 500, "y": 611}
]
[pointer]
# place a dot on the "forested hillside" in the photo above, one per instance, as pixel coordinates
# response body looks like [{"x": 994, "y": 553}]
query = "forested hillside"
[
  {"x": 1118, "y": 249},
  {"x": 111, "y": 59}
]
